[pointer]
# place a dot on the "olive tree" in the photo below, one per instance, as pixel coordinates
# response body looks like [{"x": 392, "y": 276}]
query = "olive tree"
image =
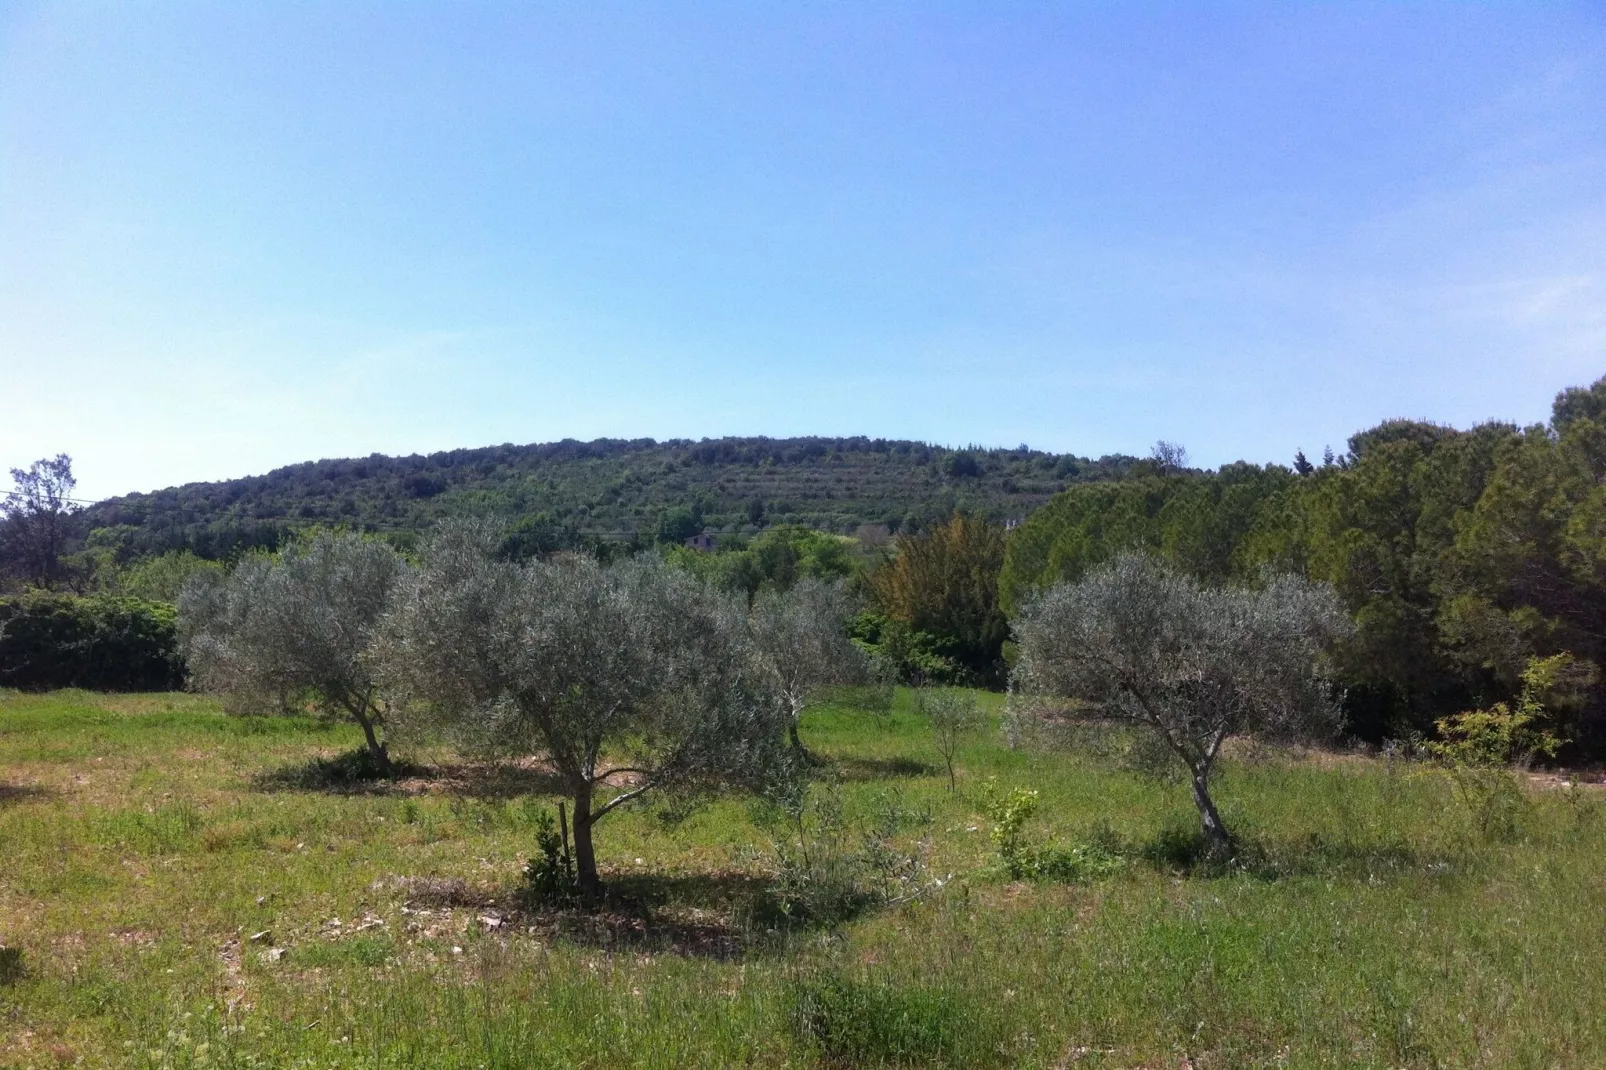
[
  {"x": 626, "y": 678},
  {"x": 801, "y": 637},
  {"x": 1191, "y": 663},
  {"x": 302, "y": 624}
]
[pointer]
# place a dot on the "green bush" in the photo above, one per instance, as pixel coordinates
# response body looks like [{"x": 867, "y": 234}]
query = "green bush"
[
  {"x": 1021, "y": 860},
  {"x": 1478, "y": 748},
  {"x": 868, "y": 1023},
  {"x": 911, "y": 655},
  {"x": 99, "y": 643},
  {"x": 352, "y": 769},
  {"x": 549, "y": 878}
]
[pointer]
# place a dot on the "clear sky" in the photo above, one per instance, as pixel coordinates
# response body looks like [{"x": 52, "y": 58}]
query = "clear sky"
[{"x": 240, "y": 235}]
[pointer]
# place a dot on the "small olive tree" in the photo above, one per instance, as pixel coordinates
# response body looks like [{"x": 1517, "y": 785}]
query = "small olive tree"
[
  {"x": 1191, "y": 663},
  {"x": 627, "y": 678},
  {"x": 955, "y": 716},
  {"x": 302, "y": 624},
  {"x": 801, "y": 637}
]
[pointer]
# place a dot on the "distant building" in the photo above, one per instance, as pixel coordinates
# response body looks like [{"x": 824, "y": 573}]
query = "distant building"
[{"x": 703, "y": 542}]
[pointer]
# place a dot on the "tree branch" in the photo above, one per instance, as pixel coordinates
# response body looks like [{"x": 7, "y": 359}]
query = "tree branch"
[
  {"x": 622, "y": 769},
  {"x": 619, "y": 800}
]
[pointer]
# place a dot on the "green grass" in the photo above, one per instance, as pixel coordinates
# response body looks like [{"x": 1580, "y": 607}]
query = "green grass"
[{"x": 144, "y": 840}]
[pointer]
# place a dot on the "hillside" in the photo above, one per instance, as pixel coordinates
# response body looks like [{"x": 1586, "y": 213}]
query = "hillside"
[{"x": 608, "y": 488}]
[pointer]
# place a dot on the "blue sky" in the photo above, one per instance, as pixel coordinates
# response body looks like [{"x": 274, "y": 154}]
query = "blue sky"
[{"x": 235, "y": 236}]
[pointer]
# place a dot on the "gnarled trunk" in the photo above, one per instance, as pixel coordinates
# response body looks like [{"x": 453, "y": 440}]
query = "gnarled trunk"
[
  {"x": 378, "y": 749},
  {"x": 585, "y": 856},
  {"x": 1215, "y": 831}
]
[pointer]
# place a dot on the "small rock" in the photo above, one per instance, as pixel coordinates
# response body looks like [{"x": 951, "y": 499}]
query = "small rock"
[
  {"x": 457, "y": 950},
  {"x": 273, "y": 954},
  {"x": 490, "y": 921}
]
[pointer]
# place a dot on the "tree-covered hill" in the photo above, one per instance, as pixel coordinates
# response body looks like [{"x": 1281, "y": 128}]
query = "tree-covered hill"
[{"x": 608, "y": 488}]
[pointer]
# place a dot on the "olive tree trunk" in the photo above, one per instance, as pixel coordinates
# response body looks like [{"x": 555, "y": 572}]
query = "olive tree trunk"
[
  {"x": 1215, "y": 830},
  {"x": 377, "y": 748},
  {"x": 585, "y": 855}
]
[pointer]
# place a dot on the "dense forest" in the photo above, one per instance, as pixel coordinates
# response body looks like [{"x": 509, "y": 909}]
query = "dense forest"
[{"x": 606, "y": 489}]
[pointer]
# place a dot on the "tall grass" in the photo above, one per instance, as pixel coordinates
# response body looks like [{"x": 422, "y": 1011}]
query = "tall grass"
[{"x": 1369, "y": 923}]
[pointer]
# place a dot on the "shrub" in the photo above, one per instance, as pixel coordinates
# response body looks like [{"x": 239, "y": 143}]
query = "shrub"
[
  {"x": 1021, "y": 860},
  {"x": 866, "y": 1022},
  {"x": 910, "y": 655},
  {"x": 349, "y": 769},
  {"x": 100, "y": 643},
  {"x": 945, "y": 583},
  {"x": 549, "y": 877},
  {"x": 1479, "y": 746},
  {"x": 829, "y": 868}
]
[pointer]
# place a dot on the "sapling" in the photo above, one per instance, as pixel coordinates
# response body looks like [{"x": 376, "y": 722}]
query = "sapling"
[
  {"x": 800, "y": 635},
  {"x": 955, "y": 717}
]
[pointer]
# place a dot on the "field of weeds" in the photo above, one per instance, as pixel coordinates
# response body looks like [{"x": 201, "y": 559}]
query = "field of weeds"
[{"x": 191, "y": 889}]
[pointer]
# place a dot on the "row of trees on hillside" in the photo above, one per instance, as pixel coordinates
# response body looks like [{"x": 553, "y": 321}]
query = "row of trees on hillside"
[
  {"x": 609, "y": 490},
  {"x": 1462, "y": 555}
]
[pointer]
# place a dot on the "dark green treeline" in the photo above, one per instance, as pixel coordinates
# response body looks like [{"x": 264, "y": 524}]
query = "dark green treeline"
[{"x": 1461, "y": 553}]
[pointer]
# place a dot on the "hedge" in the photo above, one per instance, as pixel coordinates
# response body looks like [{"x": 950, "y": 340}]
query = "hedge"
[{"x": 101, "y": 643}]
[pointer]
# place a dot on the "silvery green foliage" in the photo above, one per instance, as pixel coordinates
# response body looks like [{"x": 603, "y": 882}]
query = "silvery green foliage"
[
  {"x": 300, "y": 624},
  {"x": 1194, "y": 664},
  {"x": 626, "y": 678},
  {"x": 801, "y": 637}
]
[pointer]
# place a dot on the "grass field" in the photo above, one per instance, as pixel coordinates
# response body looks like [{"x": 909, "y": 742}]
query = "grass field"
[{"x": 146, "y": 839}]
